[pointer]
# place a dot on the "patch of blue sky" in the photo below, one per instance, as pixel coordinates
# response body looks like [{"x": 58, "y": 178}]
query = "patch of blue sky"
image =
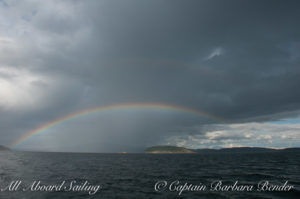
[{"x": 287, "y": 121}]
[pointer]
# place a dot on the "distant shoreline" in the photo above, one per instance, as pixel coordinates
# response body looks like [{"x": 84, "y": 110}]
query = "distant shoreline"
[
  {"x": 166, "y": 149},
  {"x": 180, "y": 150}
]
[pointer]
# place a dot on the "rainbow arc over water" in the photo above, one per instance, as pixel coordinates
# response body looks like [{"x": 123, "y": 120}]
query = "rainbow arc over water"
[{"x": 124, "y": 106}]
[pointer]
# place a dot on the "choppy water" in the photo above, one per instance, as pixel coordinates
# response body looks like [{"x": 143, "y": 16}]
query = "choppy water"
[{"x": 135, "y": 175}]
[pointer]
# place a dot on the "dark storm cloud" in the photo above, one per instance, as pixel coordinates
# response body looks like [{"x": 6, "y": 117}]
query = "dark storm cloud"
[
  {"x": 157, "y": 51},
  {"x": 237, "y": 60}
]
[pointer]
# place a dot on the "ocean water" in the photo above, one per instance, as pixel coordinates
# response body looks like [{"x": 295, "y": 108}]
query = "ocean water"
[{"x": 133, "y": 176}]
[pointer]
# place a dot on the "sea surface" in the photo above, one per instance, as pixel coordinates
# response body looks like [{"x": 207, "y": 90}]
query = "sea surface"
[{"x": 133, "y": 176}]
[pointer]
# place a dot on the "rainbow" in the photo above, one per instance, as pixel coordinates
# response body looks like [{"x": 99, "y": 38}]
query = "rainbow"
[{"x": 74, "y": 115}]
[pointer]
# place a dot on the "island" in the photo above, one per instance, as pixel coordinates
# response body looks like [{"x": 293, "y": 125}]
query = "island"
[
  {"x": 168, "y": 149},
  {"x": 180, "y": 150},
  {"x": 246, "y": 150},
  {"x": 3, "y": 148}
]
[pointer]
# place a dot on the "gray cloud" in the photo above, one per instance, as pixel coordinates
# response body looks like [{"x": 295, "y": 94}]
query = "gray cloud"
[{"x": 236, "y": 60}]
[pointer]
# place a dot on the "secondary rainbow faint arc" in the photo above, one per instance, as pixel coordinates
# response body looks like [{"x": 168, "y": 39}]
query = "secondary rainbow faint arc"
[{"x": 111, "y": 107}]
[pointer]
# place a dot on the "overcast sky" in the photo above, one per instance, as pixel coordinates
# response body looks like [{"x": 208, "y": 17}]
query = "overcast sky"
[{"x": 234, "y": 59}]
